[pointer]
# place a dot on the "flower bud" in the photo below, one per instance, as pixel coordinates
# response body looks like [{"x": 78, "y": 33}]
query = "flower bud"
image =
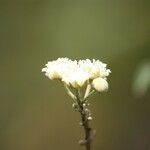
[
  {"x": 100, "y": 84},
  {"x": 75, "y": 106},
  {"x": 90, "y": 118}
]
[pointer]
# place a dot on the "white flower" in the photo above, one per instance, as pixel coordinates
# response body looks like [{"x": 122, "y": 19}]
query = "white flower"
[
  {"x": 77, "y": 78},
  {"x": 57, "y": 68},
  {"x": 78, "y": 73},
  {"x": 100, "y": 84},
  {"x": 95, "y": 68}
]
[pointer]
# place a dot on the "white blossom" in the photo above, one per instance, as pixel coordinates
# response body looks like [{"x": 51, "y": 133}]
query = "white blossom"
[
  {"x": 95, "y": 68},
  {"x": 76, "y": 78},
  {"x": 57, "y": 69},
  {"x": 78, "y": 73}
]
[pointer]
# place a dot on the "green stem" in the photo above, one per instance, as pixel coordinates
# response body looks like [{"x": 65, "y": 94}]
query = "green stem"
[
  {"x": 69, "y": 92},
  {"x": 87, "y": 96}
]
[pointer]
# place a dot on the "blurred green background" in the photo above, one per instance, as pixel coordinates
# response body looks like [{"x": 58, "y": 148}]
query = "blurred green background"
[{"x": 36, "y": 113}]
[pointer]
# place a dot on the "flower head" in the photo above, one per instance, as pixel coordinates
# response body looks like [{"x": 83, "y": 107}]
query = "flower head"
[
  {"x": 78, "y": 73},
  {"x": 95, "y": 68}
]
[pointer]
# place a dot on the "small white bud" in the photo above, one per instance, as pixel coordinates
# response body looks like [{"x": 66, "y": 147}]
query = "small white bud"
[
  {"x": 84, "y": 105},
  {"x": 88, "y": 104},
  {"x": 87, "y": 110},
  {"x": 100, "y": 84},
  {"x": 83, "y": 142},
  {"x": 81, "y": 124},
  {"x": 89, "y": 118},
  {"x": 75, "y": 106}
]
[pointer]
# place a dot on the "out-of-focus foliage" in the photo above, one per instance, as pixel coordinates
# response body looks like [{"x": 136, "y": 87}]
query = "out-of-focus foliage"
[
  {"x": 35, "y": 113},
  {"x": 141, "y": 82}
]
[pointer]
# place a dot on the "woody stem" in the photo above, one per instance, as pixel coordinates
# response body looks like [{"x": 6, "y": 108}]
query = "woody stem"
[{"x": 85, "y": 123}]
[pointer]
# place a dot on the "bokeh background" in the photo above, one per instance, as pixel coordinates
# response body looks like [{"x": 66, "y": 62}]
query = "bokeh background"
[{"x": 36, "y": 113}]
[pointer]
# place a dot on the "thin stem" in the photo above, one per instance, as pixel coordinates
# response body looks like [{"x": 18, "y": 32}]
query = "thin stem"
[
  {"x": 85, "y": 123},
  {"x": 69, "y": 92},
  {"x": 88, "y": 89},
  {"x": 87, "y": 96}
]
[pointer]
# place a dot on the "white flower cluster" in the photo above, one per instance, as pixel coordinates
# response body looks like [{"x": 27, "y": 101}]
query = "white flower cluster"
[{"x": 78, "y": 73}]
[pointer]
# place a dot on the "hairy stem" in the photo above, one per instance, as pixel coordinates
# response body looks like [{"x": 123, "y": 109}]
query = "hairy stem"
[{"x": 85, "y": 123}]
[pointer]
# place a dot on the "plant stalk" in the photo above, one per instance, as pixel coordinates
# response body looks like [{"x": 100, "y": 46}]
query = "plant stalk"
[{"x": 85, "y": 123}]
